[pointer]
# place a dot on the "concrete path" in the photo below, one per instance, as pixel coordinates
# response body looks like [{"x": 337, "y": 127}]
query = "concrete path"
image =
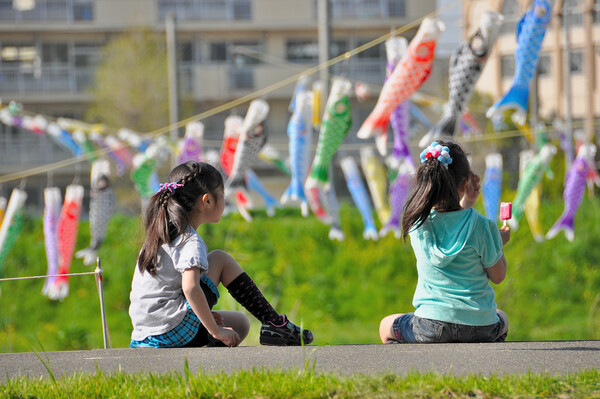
[{"x": 553, "y": 357}]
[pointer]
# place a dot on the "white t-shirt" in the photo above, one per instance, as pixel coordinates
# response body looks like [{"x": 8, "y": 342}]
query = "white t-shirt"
[{"x": 157, "y": 301}]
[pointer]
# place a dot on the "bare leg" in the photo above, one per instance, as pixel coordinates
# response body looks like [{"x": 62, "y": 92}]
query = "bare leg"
[
  {"x": 222, "y": 267},
  {"x": 237, "y": 321},
  {"x": 386, "y": 327}
]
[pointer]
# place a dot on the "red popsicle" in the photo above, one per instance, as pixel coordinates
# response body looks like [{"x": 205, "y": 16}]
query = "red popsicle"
[{"x": 505, "y": 211}]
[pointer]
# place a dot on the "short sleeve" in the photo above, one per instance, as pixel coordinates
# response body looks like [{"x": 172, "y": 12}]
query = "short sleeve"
[
  {"x": 490, "y": 243},
  {"x": 192, "y": 252}
]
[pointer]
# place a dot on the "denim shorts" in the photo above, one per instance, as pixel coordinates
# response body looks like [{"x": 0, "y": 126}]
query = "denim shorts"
[{"x": 409, "y": 328}]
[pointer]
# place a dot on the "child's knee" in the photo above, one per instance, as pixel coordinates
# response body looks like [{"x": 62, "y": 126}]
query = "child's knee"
[
  {"x": 385, "y": 327},
  {"x": 504, "y": 318},
  {"x": 217, "y": 255}
]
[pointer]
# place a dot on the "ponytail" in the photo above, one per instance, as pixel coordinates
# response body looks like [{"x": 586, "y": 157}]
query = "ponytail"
[
  {"x": 167, "y": 213},
  {"x": 435, "y": 185}
]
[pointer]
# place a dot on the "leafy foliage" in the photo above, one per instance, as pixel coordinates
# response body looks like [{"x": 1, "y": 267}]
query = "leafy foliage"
[{"x": 130, "y": 87}]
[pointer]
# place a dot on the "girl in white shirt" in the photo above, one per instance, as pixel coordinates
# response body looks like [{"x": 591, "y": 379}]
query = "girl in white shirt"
[{"x": 175, "y": 281}]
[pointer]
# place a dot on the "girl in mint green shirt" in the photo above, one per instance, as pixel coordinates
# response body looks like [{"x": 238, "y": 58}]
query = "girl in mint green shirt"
[{"x": 458, "y": 252}]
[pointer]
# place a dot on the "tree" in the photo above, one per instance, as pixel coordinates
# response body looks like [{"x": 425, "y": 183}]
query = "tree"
[{"x": 130, "y": 86}]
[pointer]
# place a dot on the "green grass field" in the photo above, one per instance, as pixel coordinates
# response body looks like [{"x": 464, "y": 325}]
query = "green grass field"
[
  {"x": 339, "y": 290},
  {"x": 304, "y": 384}
]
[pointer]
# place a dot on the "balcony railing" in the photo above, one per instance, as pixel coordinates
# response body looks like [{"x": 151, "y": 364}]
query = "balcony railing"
[
  {"x": 368, "y": 71},
  {"x": 197, "y": 10},
  {"x": 48, "y": 10},
  {"x": 46, "y": 79},
  {"x": 368, "y": 8},
  {"x": 26, "y": 148},
  {"x": 241, "y": 78}
]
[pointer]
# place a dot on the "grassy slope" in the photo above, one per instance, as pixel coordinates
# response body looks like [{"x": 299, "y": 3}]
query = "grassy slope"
[{"x": 339, "y": 290}]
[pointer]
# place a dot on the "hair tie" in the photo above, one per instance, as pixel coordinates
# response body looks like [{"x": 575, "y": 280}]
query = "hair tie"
[
  {"x": 437, "y": 151},
  {"x": 171, "y": 186}
]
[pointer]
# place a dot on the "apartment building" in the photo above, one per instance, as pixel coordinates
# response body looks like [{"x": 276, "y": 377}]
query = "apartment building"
[
  {"x": 572, "y": 93},
  {"x": 49, "y": 50}
]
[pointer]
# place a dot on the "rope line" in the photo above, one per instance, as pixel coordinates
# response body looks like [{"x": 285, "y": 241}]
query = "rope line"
[{"x": 53, "y": 275}]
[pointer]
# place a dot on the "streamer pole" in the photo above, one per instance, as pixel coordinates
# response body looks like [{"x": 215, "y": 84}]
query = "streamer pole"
[{"x": 105, "y": 334}]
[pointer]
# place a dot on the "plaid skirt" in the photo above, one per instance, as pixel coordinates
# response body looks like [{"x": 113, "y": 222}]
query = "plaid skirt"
[{"x": 185, "y": 331}]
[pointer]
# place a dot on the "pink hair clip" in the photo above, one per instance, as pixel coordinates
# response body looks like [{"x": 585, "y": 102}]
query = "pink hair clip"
[{"x": 170, "y": 186}]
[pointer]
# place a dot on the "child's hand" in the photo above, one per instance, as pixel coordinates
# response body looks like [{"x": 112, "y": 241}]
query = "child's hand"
[
  {"x": 228, "y": 336},
  {"x": 505, "y": 234}
]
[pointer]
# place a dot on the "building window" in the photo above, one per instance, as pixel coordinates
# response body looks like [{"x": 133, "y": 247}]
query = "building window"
[
  {"x": 236, "y": 52},
  {"x": 195, "y": 10},
  {"x": 54, "y": 67},
  {"x": 507, "y": 66},
  {"x": 241, "y": 9},
  {"x": 367, "y": 8},
  {"x": 46, "y": 10},
  {"x": 218, "y": 52},
  {"x": 576, "y": 62},
  {"x": 511, "y": 13},
  {"x": 572, "y": 10},
  {"x": 245, "y": 53},
  {"x": 83, "y": 10},
  {"x": 308, "y": 50},
  {"x": 397, "y": 8},
  {"x": 185, "y": 52},
  {"x": 241, "y": 78},
  {"x": 544, "y": 65},
  {"x": 85, "y": 57},
  {"x": 20, "y": 59},
  {"x": 301, "y": 50},
  {"x": 371, "y": 52},
  {"x": 596, "y": 12},
  {"x": 55, "y": 53}
]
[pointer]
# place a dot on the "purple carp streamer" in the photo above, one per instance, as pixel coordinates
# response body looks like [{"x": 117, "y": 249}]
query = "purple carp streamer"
[
  {"x": 52, "y": 205},
  {"x": 574, "y": 190},
  {"x": 190, "y": 147},
  {"x": 399, "y": 190}
]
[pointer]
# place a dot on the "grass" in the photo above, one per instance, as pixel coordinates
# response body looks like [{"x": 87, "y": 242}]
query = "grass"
[
  {"x": 339, "y": 290},
  {"x": 305, "y": 384}
]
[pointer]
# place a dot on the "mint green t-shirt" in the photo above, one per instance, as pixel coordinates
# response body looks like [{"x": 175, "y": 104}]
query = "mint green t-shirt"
[{"x": 453, "y": 249}]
